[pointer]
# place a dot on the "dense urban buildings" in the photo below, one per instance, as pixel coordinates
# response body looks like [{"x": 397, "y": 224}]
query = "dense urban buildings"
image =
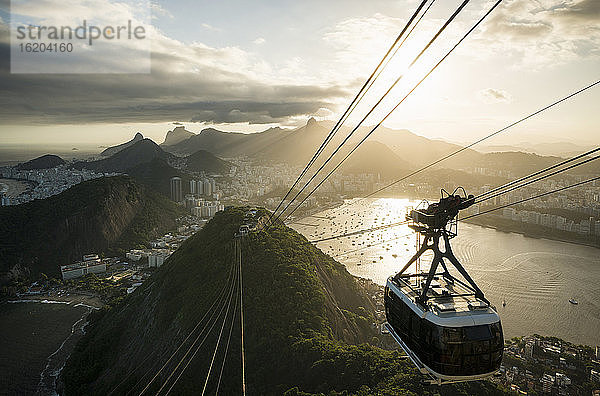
[{"x": 20, "y": 186}]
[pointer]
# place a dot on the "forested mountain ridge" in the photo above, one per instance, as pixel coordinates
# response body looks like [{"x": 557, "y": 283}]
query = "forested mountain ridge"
[
  {"x": 108, "y": 214},
  {"x": 307, "y": 322}
]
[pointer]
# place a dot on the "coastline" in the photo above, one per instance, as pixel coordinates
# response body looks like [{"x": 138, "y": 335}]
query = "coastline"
[
  {"x": 39, "y": 334},
  {"x": 509, "y": 228},
  {"x": 73, "y": 299}
]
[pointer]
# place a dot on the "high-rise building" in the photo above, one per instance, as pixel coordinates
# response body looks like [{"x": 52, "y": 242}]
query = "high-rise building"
[
  {"x": 200, "y": 187},
  {"x": 193, "y": 184},
  {"x": 207, "y": 188},
  {"x": 176, "y": 193}
]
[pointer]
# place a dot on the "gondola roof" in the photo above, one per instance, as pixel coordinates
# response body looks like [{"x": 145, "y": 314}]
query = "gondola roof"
[{"x": 448, "y": 305}]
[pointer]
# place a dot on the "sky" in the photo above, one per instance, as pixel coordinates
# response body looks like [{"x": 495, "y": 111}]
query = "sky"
[{"x": 247, "y": 66}]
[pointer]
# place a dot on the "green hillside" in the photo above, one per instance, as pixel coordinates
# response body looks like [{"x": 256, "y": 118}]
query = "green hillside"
[
  {"x": 204, "y": 161},
  {"x": 44, "y": 162},
  {"x": 157, "y": 175},
  {"x": 308, "y": 325},
  {"x": 105, "y": 215}
]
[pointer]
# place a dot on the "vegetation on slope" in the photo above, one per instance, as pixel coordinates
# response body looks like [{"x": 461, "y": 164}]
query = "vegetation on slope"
[
  {"x": 157, "y": 175},
  {"x": 105, "y": 215},
  {"x": 205, "y": 161},
  {"x": 307, "y": 324},
  {"x": 44, "y": 162}
]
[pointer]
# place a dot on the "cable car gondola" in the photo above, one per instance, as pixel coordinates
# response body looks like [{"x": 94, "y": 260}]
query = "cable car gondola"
[{"x": 445, "y": 325}]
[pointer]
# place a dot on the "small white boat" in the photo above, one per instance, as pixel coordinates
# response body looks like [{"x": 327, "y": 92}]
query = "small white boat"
[{"x": 573, "y": 301}]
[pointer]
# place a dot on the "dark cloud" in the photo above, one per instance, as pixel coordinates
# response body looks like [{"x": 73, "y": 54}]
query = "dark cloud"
[
  {"x": 587, "y": 10},
  {"x": 522, "y": 20},
  {"x": 215, "y": 93},
  {"x": 252, "y": 112},
  {"x": 135, "y": 98},
  {"x": 504, "y": 24}
]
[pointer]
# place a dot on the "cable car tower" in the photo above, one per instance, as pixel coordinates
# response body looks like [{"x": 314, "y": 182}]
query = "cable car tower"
[
  {"x": 439, "y": 221},
  {"x": 445, "y": 325}
]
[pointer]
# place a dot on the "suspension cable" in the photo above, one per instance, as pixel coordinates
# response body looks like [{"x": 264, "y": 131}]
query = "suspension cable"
[
  {"x": 536, "y": 173},
  {"x": 347, "y": 138},
  {"x": 216, "y": 320},
  {"x": 483, "y": 139},
  {"x": 228, "y": 341},
  {"x": 475, "y": 199},
  {"x": 218, "y": 340},
  {"x": 366, "y": 86},
  {"x": 243, "y": 353},
  {"x": 372, "y": 244},
  {"x": 396, "y": 106},
  {"x": 378, "y": 228},
  {"x": 221, "y": 293},
  {"x": 533, "y": 197},
  {"x": 464, "y": 218},
  {"x": 221, "y": 303},
  {"x": 538, "y": 179}
]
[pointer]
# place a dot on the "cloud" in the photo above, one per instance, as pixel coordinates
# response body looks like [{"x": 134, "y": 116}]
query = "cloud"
[
  {"x": 209, "y": 95},
  {"x": 252, "y": 112},
  {"x": 210, "y": 27},
  {"x": 542, "y": 33},
  {"x": 518, "y": 21},
  {"x": 188, "y": 82},
  {"x": 259, "y": 41},
  {"x": 493, "y": 95},
  {"x": 587, "y": 10},
  {"x": 521, "y": 28},
  {"x": 356, "y": 41},
  {"x": 158, "y": 11}
]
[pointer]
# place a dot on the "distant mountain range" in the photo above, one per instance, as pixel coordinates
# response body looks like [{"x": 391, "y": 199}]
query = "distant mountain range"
[
  {"x": 387, "y": 151},
  {"x": 148, "y": 163},
  {"x": 133, "y": 154},
  {"x": 295, "y": 147},
  {"x": 557, "y": 149},
  {"x": 228, "y": 144},
  {"x": 115, "y": 149},
  {"x": 298, "y": 145},
  {"x": 44, "y": 162},
  {"x": 375, "y": 157},
  {"x": 179, "y": 134},
  {"x": 108, "y": 214},
  {"x": 145, "y": 151}
]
